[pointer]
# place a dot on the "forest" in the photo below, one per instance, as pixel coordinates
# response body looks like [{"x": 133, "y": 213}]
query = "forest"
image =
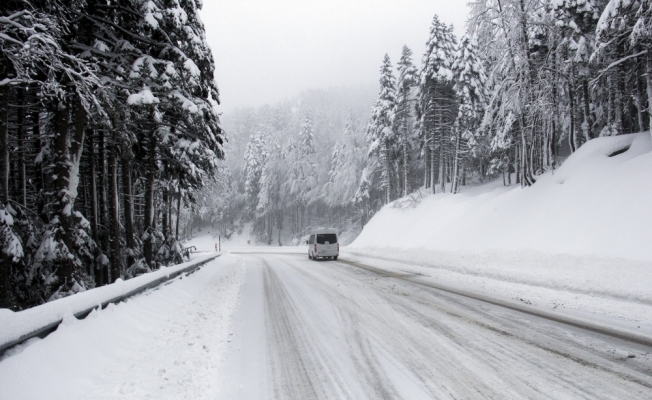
[
  {"x": 108, "y": 123},
  {"x": 111, "y": 148},
  {"x": 527, "y": 85}
]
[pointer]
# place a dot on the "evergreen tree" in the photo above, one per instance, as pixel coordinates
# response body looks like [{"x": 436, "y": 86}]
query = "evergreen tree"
[
  {"x": 626, "y": 26},
  {"x": 437, "y": 101},
  {"x": 407, "y": 80},
  {"x": 380, "y": 132},
  {"x": 470, "y": 80},
  {"x": 254, "y": 162},
  {"x": 80, "y": 101}
]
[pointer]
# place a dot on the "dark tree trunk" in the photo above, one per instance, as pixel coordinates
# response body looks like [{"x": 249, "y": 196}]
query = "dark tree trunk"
[
  {"x": 148, "y": 222},
  {"x": 588, "y": 128},
  {"x": 39, "y": 180},
  {"x": 178, "y": 215},
  {"x": 68, "y": 147},
  {"x": 22, "y": 179},
  {"x": 4, "y": 146},
  {"x": 5, "y": 261},
  {"x": 104, "y": 223},
  {"x": 61, "y": 171},
  {"x": 648, "y": 70},
  {"x": 572, "y": 141},
  {"x": 456, "y": 161},
  {"x": 169, "y": 205},
  {"x": 114, "y": 211},
  {"x": 129, "y": 211},
  {"x": 165, "y": 215},
  {"x": 95, "y": 219}
]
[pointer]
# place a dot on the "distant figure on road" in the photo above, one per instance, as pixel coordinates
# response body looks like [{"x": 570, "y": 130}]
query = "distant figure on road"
[{"x": 248, "y": 242}]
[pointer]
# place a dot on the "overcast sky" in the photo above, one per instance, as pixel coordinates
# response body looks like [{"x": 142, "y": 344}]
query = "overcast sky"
[{"x": 269, "y": 50}]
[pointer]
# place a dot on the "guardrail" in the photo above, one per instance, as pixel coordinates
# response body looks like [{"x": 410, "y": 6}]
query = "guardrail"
[{"x": 50, "y": 327}]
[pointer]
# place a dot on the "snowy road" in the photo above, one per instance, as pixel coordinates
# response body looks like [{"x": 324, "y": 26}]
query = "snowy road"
[{"x": 330, "y": 330}]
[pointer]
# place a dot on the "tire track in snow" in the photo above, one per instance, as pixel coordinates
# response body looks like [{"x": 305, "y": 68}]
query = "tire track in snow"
[
  {"x": 455, "y": 335},
  {"x": 289, "y": 369},
  {"x": 310, "y": 362}
]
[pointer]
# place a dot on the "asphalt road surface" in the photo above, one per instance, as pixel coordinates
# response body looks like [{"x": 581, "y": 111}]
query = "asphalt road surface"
[{"x": 332, "y": 330}]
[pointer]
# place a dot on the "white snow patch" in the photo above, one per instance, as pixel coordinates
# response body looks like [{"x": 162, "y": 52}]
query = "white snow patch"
[
  {"x": 191, "y": 67},
  {"x": 143, "y": 97}
]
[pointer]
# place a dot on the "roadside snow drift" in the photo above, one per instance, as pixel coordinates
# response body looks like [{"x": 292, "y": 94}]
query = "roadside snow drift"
[
  {"x": 593, "y": 205},
  {"x": 578, "y": 241}
]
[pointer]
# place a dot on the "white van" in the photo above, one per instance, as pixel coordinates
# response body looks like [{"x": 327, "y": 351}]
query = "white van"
[{"x": 323, "y": 244}]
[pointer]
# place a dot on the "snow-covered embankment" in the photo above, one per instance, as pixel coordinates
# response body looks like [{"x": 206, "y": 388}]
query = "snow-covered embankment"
[{"x": 578, "y": 241}]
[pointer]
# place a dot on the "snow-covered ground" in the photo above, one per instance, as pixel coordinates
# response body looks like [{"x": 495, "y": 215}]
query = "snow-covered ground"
[
  {"x": 166, "y": 343},
  {"x": 577, "y": 242}
]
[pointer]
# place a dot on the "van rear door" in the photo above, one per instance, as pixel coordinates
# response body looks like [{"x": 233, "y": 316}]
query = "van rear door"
[{"x": 331, "y": 247}]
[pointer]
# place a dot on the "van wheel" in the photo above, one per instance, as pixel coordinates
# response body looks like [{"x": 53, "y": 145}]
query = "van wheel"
[
  {"x": 335, "y": 258},
  {"x": 309, "y": 256}
]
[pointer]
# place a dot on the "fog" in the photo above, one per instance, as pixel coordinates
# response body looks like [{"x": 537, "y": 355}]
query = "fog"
[{"x": 267, "y": 51}]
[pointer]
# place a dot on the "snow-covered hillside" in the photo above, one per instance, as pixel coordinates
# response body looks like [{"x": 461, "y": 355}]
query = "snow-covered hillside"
[
  {"x": 577, "y": 241},
  {"x": 593, "y": 205}
]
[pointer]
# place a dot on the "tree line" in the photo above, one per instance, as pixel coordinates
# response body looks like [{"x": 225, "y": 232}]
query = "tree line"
[
  {"x": 529, "y": 83},
  {"x": 108, "y": 123},
  {"x": 292, "y": 166}
]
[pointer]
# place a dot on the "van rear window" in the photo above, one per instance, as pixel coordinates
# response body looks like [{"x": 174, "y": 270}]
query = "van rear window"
[{"x": 326, "y": 237}]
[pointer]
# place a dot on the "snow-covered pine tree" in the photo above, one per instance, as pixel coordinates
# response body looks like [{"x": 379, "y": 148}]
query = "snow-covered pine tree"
[
  {"x": 519, "y": 59},
  {"x": 348, "y": 159},
  {"x": 470, "y": 80},
  {"x": 270, "y": 208},
  {"x": 407, "y": 80},
  {"x": 436, "y": 102},
  {"x": 254, "y": 162},
  {"x": 625, "y": 30},
  {"x": 63, "y": 83},
  {"x": 577, "y": 20},
  {"x": 66, "y": 249},
  {"x": 178, "y": 88},
  {"x": 380, "y": 132},
  {"x": 303, "y": 175}
]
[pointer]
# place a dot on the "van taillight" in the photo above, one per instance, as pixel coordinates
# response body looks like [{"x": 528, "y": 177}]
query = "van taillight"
[
  {"x": 338, "y": 247},
  {"x": 315, "y": 246}
]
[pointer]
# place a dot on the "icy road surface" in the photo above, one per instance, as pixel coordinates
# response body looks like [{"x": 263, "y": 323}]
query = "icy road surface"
[{"x": 329, "y": 330}]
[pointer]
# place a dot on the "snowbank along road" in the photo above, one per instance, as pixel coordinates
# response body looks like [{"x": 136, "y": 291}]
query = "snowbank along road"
[
  {"x": 166, "y": 343},
  {"x": 331, "y": 330}
]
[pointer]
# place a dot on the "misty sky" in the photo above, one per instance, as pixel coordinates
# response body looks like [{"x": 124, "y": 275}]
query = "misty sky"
[{"x": 269, "y": 50}]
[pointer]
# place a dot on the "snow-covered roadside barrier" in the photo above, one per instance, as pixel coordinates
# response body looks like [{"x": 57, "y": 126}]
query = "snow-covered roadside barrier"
[
  {"x": 16, "y": 327},
  {"x": 167, "y": 343}
]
